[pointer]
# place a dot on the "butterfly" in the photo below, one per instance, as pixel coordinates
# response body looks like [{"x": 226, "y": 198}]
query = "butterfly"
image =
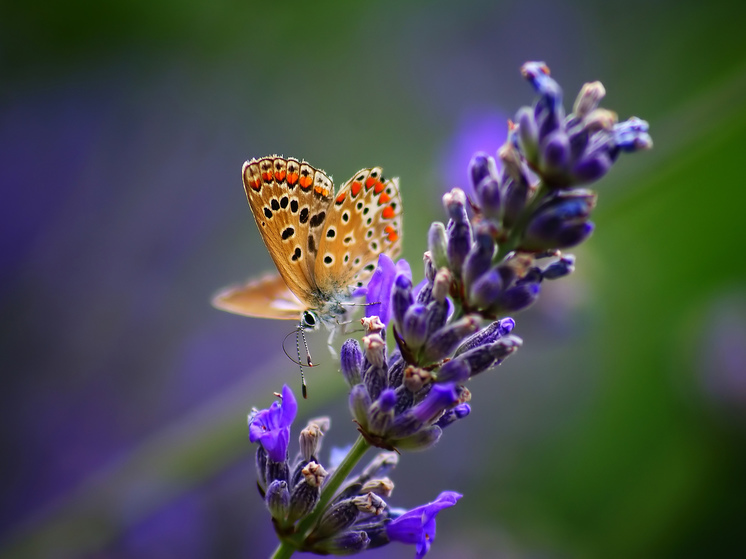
[{"x": 323, "y": 244}]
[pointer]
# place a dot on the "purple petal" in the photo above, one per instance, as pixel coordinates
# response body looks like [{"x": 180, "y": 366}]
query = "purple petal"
[
  {"x": 417, "y": 526},
  {"x": 379, "y": 289}
]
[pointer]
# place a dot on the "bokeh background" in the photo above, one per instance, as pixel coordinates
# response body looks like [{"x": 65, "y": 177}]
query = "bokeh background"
[{"x": 618, "y": 430}]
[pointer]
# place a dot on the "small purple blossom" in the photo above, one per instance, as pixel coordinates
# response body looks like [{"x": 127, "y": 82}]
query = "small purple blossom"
[
  {"x": 271, "y": 427},
  {"x": 417, "y": 526},
  {"x": 381, "y": 283}
]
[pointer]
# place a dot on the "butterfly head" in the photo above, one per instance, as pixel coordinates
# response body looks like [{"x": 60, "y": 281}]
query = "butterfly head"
[{"x": 309, "y": 320}]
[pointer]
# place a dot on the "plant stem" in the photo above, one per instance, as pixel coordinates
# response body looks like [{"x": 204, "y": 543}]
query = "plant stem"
[
  {"x": 283, "y": 551},
  {"x": 330, "y": 490}
]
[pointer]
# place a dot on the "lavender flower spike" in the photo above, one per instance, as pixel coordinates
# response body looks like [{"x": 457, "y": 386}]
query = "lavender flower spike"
[
  {"x": 417, "y": 526},
  {"x": 271, "y": 427}
]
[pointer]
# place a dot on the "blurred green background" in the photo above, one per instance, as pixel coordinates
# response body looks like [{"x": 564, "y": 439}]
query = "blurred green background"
[{"x": 617, "y": 430}]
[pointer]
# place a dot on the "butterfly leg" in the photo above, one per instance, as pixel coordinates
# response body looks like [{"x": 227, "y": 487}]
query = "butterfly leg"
[{"x": 330, "y": 341}]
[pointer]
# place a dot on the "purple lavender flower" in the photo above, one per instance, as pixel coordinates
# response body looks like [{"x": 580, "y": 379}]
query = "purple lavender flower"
[
  {"x": 417, "y": 526},
  {"x": 271, "y": 427},
  {"x": 581, "y": 147},
  {"x": 381, "y": 283}
]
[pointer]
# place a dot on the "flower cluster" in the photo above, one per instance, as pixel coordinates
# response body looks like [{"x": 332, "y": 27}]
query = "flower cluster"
[
  {"x": 404, "y": 400},
  {"x": 357, "y": 517},
  {"x": 480, "y": 266},
  {"x": 530, "y": 208}
]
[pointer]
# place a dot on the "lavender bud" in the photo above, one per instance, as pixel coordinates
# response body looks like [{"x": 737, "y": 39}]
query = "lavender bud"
[
  {"x": 437, "y": 244},
  {"x": 401, "y": 299},
  {"x": 555, "y": 151},
  {"x": 445, "y": 340},
  {"x": 459, "y": 229},
  {"x": 560, "y": 268},
  {"x": 479, "y": 259},
  {"x": 351, "y": 361},
  {"x": 449, "y": 417},
  {"x": 278, "y": 499},
  {"x": 480, "y": 167},
  {"x": 486, "y": 289},
  {"x": 261, "y": 466},
  {"x": 297, "y": 476},
  {"x": 404, "y": 399},
  {"x": 376, "y": 531},
  {"x": 376, "y": 374},
  {"x": 381, "y": 412},
  {"x": 490, "y": 197},
  {"x": 346, "y": 543},
  {"x": 305, "y": 494},
  {"x": 310, "y": 437},
  {"x": 548, "y": 110},
  {"x": 370, "y": 503},
  {"x": 336, "y": 518},
  {"x": 415, "y": 378},
  {"x": 516, "y": 187},
  {"x": 314, "y": 474},
  {"x": 425, "y": 294},
  {"x": 360, "y": 403},
  {"x": 422, "y": 440},
  {"x": 430, "y": 269},
  {"x": 437, "y": 315},
  {"x": 589, "y": 98},
  {"x": 561, "y": 213},
  {"x": 481, "y": 358},
  {"x": 517, "y": 298},
  {"x": 414, "y": 327},
  {"x": 372, "y": 324},
  {"x": 454, "y": 371},
  {"x": 442, "y": 284},
  {"x": 276, "y": 471},
  {"x": 592, "y": 167},
  {"x": 574, "y": 235},
  {"x": 396, "y": 373},
  {"x": 440, "y": 398},
  {"x": 632, "y": 135},
  {"x": 375, "y": 350},
  {"x": 598, "y": 120},
  {"x": 379, "y": 486},
  {"x": 528, "y": 134},
  {"x": 487, "y": 335},
  {"x": 380, "y": 466},
  {"x": 455, "y": 205}
]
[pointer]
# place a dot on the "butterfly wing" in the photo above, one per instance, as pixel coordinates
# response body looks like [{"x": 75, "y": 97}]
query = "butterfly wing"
[
  {"x": 363, "y": 221},
  {"x": 290, "y": 202},
  {"x": 266, "y": 297}
]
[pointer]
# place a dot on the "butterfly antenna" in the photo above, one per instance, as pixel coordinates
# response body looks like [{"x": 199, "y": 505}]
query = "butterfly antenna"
[{"x": 299, "y": 330}]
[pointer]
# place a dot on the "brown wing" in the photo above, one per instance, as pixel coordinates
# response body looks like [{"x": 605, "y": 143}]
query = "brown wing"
[
  {"x": 290, "y": 201},
  {"x": 266, "y": 297},
  {"x": 363, "y": 221}
]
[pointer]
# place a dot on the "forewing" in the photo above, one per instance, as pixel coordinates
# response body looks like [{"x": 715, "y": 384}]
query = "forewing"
[
  {"x": 266, "y": 297},
  {"x": 290, "y": 202},
  {"x": 364, "y": 220}
]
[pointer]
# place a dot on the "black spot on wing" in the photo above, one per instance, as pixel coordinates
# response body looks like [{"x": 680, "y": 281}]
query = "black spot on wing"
[{"x": 317, "y": 220}]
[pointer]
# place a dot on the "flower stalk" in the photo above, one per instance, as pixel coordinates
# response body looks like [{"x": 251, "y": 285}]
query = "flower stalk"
[{"x": 408, "y": 382}]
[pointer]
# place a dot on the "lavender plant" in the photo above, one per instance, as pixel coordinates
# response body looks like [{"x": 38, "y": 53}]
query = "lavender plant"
[{"x": 479, "y": 267}]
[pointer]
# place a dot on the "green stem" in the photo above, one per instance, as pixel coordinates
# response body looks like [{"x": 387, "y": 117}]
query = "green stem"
[
  {"x": 283, "y": 551},
  {"x": 330, "y": 490}
]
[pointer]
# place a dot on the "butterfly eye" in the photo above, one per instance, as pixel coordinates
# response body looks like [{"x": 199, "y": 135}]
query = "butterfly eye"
[{"x": 309, "y": 320}]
